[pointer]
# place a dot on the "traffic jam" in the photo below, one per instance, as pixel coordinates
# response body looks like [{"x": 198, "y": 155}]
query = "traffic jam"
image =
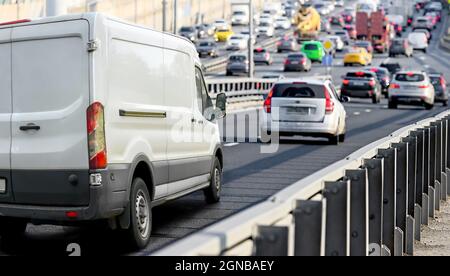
[{"x": 97, "y": 156}]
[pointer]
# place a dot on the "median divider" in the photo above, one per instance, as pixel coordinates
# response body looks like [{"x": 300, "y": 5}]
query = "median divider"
[{"x": 371, "y": 203}]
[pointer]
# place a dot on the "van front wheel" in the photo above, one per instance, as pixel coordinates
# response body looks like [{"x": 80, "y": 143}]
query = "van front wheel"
[
  {"x": 212, "y": 193},
  {"x": 141, "y": 215}
]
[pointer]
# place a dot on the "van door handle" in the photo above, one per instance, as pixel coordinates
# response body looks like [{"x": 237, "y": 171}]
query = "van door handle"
[{"x": 30, "y": 127}]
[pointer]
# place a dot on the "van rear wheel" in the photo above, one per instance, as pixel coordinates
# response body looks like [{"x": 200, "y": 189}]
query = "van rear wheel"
[
  {"x": 12, "y": 230},
  {"x": 212, "y": 193},
  {"x": 141, "y": 215}
]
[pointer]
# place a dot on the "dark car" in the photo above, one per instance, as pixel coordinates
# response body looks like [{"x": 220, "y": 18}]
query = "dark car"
[
  {"x": 189, "y": 33},
  {"x": 202, "y": 32},
  {"x": 297, "y": 62},
  {"x": 207, "y": 49},
  {"x": 261, "y": 55},
  {"x": 287, "y": 45},
  {"x": 348, "y": 17},
  {"x": 366, "y": 45},
  {"x": 391, "y": 66},
  {"x": 337, "y": 20},
  {"x": 238, "y": 64},
  {"x": 401, "y": 46},
  {"x": 362, "y": 85},
  {"x": 440, "y": 88},
  {"x": 384, "y": 77}
]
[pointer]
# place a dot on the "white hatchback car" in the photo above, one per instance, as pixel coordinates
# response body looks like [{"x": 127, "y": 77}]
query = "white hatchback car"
[
  {"x": 419, "y": 41},
  {"x": 305, "y": 107},
  {"x": 237, "y": 42}
]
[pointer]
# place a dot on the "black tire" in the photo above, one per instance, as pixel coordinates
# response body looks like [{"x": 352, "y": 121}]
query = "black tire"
[
  {"x": 392, "y": 105},
  {"x": 425, "y": 51},
  {"x": 140, "y": 228},
  {"x": 429, "y": 106},
  {"x": 445, "y": 103},
  {"x": 334, "y": 140},
  {"x": 375, "y": 99},
  {"x": 12, "y": 232},
  {"x": 212, "y": 193},
  {"x": 342, "y": 138},
  {"x": 229, "y": 74}
]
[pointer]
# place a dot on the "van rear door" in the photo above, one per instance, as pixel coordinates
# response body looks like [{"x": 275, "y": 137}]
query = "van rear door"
[
  {"x": 5, "y": 116},
  {"x": 50, "y": 96}
]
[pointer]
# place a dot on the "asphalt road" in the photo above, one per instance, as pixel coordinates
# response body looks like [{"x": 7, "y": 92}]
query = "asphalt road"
[{"x": 250, "y": 176}]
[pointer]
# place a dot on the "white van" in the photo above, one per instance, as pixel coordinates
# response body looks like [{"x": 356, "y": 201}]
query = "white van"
[{"x": 101, "y": 120}]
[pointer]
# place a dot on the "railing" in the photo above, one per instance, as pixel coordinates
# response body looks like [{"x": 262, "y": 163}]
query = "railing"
[
  {"x": 372, "y": 203},
  {"x": 240, "y": 90}
]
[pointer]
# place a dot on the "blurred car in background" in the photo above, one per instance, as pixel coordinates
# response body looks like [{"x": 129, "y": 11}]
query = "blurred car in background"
[
  {"x": 345, "y": 37},
  {"x": 366, "y": 45},
  {"x": 221, "y": 24},
  {"x": 423, "y": 23},
  {"x": 351, "y": 30},
  {"x": 237, "y": 43},
  {"x": 287, "y": 44},
  {"x": 349, "y": 15},
  {"x": 262, "y": 56},
  {"x": 400, "y": 46},
  {"x": 297, "y": 62},
  {"x": 238, "y": 64},
  {"x": 265, "y": 29},
  {"x": 325, "y": 25},
  {"x": 357, "y": 56},
  {"x": 339, "y": 45},
  {"x": 418, "y": 41},
  {"x": 384, "y": 77},
  {"x": 222, "y": 35},
  {"x": 282, "y": 23},
  {"x": 207, "y": 49},
  {"x": 392, "y": 66},
  {"x": 440, "y": 87},
  {"x": 337, "y": 20},
  {"x": 313, "y": 50},
  {"x": 189, "y": 33}
]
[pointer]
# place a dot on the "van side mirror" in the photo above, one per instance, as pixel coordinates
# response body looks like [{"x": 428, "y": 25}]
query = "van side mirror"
[{"x": 221, "y": 105}]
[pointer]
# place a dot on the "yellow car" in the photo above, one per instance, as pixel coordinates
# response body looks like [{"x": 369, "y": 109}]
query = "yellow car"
[
  {"x": 358, "y": 56},
  {"x": 223, "y": 35}
]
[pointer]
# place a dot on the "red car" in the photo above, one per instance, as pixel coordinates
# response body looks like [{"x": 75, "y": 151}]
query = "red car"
[
  {"x": 337, "y": 21},
  {"x": 351, "y": 31}
]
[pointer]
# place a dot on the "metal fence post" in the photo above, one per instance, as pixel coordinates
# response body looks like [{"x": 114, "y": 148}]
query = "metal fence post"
[
  {"x": 411, "y": 200},
  {"x": 402, "y": 189},
  {"x": 337, "y": 241},
  {"x": 389, "y": 195},
  {"x": 271, "y": 241},
  {"x": 309, "y": 218},
  {"x": 420, "y": 151},
  {"x": 359, "y": 212},
  {"x": 375, "y": 171},
  {"x": 426, "y": 179}
]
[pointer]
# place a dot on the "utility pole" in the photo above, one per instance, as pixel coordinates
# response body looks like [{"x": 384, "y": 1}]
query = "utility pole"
[
  {"x": 18, "y": 9},
  {"x": 135, "y": 11},
  {"x": 55, "y": 7},
  {"x": 175, "y": 16},
  {"x": 250, "y": 41},
  {"x": 164, "y": 15}
]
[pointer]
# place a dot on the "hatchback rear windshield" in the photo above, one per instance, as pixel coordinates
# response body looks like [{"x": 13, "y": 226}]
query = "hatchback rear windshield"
[
  {"x": 398, "y": 42},
  {"x": 311, "y": 47},
  {"x": 299, "y": 90},
  {"x": 410, "y": 77},
  {"x": 238, "y": 58},
  {"x": 187, "y": 29},
  {"x": 296, "y": 56}
]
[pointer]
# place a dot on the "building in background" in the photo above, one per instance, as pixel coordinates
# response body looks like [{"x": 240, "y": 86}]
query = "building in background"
[{"x": 145, "y": 12}]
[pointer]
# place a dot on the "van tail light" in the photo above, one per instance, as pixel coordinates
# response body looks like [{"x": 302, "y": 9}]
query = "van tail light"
[
  {"x": 15, "y": 22},
  {"x": 96, "y": 136},
  {"x": 329, "y": 104},
  {"x": 268, "y": 103},
  {"x": 394, "y": 86},
  {"x": 372, "y": 83},
  {"x": 345, "y": 82}
]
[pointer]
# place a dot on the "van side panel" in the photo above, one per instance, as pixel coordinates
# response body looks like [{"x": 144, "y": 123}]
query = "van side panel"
[
  {"x": 5, "y": 113},
  {"x": 50, "y": 88},
  {"x": 135, "y": 104}
]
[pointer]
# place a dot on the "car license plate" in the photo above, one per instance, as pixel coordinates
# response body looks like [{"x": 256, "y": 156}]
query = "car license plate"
[
  {"x": 2, "y": 185},
  {"x": 298, "y": 110},
  {"x": 359, "y": 83},
  {"x": 295, "y": 62}
]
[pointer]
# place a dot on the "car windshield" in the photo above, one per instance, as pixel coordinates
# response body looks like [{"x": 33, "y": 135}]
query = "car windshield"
[
  {"x": 298, "y": 90},
  {"x": 264, "y": 24},
  {"x": 410, "y": 77},
  {"x": 223, "y": 31},
  {"x": 341, "y": 33},
  {"x": 206, "y": 44},
  {"x": 187, "y": 29},
  {"x": 319, "y": 6},
  {"x": 239, "y": 13},
  {"x": 311, "y": 47},
  {"x": 238, "y": 58},
  {"x": 295, "y": 57},
  {"x": 398, "y": 42}
]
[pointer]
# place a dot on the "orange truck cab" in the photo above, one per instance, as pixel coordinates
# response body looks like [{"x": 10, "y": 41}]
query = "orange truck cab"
[{"x": 375, "y": 28}]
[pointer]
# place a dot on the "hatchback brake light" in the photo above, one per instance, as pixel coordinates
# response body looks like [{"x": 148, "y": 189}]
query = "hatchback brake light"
[
  {"x": 395, "y": 86},
  {"x": 96, "y": 137},
  {"x": 424, "y": 86},
  {"x": 329, "y": 104},
  {"x": 345, "y": 82},
  {"x": 268, "y": 103},
  {"x": 372, "y": 83},
  {"x": 443, "y": 84},
  {"x": 15, "y": 22}
]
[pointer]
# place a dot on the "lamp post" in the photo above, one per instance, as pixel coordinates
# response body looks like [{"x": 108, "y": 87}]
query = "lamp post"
[
  {"x": 250, "y": 41},
  {"x": 164, "y": 15},
  {"x": 55, "y": 7}
]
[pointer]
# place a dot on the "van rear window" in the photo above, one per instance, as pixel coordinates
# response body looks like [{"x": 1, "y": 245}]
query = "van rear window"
[
  {"x": 410, "y": 77},
  {"x": 311, "y": 47},
  {"x": 293, "y": 90}
]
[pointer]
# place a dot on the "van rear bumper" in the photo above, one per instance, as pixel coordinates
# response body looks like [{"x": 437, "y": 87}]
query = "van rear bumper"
[{"x": 106, "y": 201}]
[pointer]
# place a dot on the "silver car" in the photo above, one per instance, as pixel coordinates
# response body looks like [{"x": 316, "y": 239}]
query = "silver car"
[
  {"x": 411, "y": 88},
  {"x": 305, "y": 107}
]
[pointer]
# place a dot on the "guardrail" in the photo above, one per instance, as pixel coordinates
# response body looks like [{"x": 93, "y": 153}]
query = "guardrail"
[
  {"x": 240, "y": 90},
  {"x": 219, "y": 64},
  {"x": 372, "y": 203}
]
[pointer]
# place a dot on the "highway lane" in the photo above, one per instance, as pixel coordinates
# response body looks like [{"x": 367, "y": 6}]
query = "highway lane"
[{"x": 249, "y": 177}]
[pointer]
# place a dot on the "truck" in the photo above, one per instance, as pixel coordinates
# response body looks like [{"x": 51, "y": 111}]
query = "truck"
[
  {"x": 375, "y": 28},
  {"x": 404, "y": 8},
  {"x": 240, "y": 12},
  {"x": 308, "y": 23}
]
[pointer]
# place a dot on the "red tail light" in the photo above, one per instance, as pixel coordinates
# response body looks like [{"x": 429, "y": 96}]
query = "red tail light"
[
  {"x": 424, "y": 86},
  {"x": 268, "y": 103},
  {"x": 372, "y": 83},
  {"x": 345, "y": 82},
  {"x": 443, "y": 84},
  {"x": 287, "y": 62},
  {"x": 96, "y": 137},
  {"x": 394, "y": 86},
  {"x": 360, "y": 74},
  {"x": 303, "y": 61},
  {"x": 329, "y": 104}
]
